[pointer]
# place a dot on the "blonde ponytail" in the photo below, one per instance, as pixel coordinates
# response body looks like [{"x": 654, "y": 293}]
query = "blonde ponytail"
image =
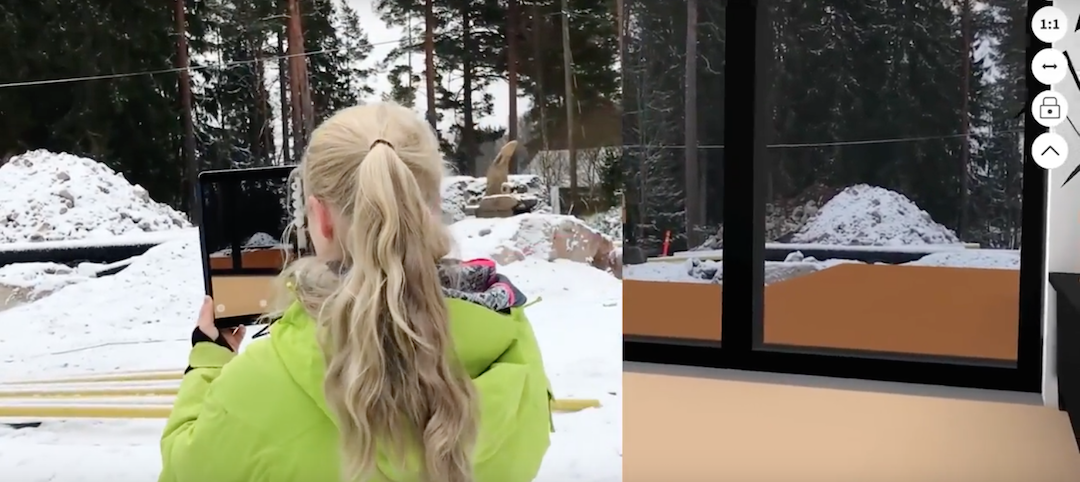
[{"x": 392, "y": 377}]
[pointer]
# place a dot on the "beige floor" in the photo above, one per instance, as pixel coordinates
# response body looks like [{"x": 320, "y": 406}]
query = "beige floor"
[{"x": 687, "y": 424}]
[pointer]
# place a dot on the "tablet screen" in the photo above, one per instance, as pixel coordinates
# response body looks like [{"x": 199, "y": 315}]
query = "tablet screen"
[{"x": 244, "y": 215}]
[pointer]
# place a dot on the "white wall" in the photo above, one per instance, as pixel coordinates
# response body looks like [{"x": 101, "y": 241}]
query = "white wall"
[{"x": 1063, "y": 216}]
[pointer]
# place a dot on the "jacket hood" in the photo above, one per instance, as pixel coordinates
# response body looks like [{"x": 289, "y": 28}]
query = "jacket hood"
[{"x": 479, "y": 299}]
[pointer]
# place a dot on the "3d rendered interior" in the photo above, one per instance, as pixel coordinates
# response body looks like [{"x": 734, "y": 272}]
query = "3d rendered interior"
[{"x": 850, "y": 246}]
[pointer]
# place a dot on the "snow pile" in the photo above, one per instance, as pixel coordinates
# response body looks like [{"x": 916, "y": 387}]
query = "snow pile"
[
  {"x": 972, "y": 258},
  {"x": 25, "y": 282},
  {"x": 541, "y": 236},
  {"x": 46, "y": 196},
  {"x": 161, "y": 288},
  {"x": 690, "y": 270},
  {"x": 695, "y": 270},
  {"x": 261, "y": 240},
  {"x": 257, "y": 241},
  {"x": 461, "y": 191},
  {"x": 864, "y": 215}
]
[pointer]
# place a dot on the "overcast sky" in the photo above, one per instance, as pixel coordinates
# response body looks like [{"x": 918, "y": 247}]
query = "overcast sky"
[{"x": 385, "y": 39}]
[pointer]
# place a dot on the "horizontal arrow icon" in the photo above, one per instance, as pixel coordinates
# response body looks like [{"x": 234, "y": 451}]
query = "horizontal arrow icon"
[{"x": 1049, "y": 66}]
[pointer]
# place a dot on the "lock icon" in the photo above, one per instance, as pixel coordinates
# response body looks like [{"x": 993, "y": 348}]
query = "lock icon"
[{"x": 1050, "y": 108}]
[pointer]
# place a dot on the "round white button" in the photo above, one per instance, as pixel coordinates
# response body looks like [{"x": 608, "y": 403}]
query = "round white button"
[
  {"x": 1049, "y": 24},
  {"x": 220, "y": 308},
  {"x": 262, "y": 303},
  {"x": 1049, "y": 108},
  {"x": 1049, "y": 66},
  {"x": 1049, "y": 150}
]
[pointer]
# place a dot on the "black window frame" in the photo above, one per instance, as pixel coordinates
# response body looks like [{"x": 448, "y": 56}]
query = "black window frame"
[{"x": 744, "y": 242}]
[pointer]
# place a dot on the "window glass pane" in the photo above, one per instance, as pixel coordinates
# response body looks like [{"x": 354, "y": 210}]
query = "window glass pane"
[
  {"x": 894, "y": 177},
  {"x": 673, "y": 132}
]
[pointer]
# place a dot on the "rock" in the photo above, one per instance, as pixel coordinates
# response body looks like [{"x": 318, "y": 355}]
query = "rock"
[
  {"x": 776, "y": 272},
  {"x": 548, "y": 237},
  {"x": 526, "y": 204},
  {"x": 498, "y": 202},
  {"x": 461, "y": 192},
  {"x": 610, "y": 261},
  {"x": 69, "y": 199},
  {"x": 10, "y": 297},
  {"x": 575, "y": 241},
  {"x": 504, "y": 255},
  {"x": 633, "y": 255},
  {"x": 500, "y": 206}
]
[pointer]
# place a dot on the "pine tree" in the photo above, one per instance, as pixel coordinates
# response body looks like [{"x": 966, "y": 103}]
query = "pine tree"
[
  {"x": 237, "y": 105},
  {"x": 998, "y": 168},
  {"x": 652, "y": 106},
  {"x": 129, "y": 123},
  {"x": 332, "y": 30},
  {"x": 476, "y": 61},
  {"x": 234, "y": 106},
  {"x": 403, "y": 86}
]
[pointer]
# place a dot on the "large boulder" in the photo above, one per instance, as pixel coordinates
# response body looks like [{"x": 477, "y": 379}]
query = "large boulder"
[{"x": 544, "y": 236}]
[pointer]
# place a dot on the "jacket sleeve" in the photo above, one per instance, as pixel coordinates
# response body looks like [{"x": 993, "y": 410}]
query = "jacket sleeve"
[{"x": 202, "y": 441}]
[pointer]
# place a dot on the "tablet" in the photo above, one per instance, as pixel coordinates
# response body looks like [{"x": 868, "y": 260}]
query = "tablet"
[{"x": 245, "y": 213}]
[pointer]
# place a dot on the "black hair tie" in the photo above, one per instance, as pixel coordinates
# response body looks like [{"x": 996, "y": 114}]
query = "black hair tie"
[{"x": 380, "y": 141}]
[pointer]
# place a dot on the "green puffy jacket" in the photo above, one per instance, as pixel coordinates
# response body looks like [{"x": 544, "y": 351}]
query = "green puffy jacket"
[{"x": 261, "y": 416}]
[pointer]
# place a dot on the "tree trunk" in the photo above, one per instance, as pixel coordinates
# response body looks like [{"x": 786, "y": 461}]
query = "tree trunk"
[
  {"x": 694, "y": 218},
  {"x": 965, "y": 127},
  {"x": 266, "y": 129},
  {"x": 568, "y": 80},
  {"x": 429, "y": 60},
  {"x": 305, "y": 97},
  {"x": 511, "y": 76},
  {"x": 468, "y": 136},
  {"x": 306, "y": 103},
  {"x": 296, "y": 50},
  {"x": 620, "y": 17},
  {"x": 537, "y": 29},
  {"x": 191, "y": 164},
  {"x": 283, "y": 98}
]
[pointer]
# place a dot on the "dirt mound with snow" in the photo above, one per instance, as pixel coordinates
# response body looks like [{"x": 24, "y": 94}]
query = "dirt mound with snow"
[
  {"x": 541, "y": 236},
  {"x": 972, "y": 258},
  {"x": 46, "y": 196},
  {"x": 26, "y": 282},
  {"x": 864, "y": 215},
  {"x": 461, "y": 191}
]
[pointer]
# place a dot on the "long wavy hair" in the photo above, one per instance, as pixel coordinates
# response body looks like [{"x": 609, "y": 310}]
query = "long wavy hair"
[{"x": 392, "y": 378}]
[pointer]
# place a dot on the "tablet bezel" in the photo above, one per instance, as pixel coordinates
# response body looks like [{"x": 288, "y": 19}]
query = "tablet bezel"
[{"x": 207, "y": 178}]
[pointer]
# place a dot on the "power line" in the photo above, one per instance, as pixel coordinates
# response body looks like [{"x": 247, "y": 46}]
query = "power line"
[
  {"x": 834, "y": 143},
  {"x": 219, "y": 65}
]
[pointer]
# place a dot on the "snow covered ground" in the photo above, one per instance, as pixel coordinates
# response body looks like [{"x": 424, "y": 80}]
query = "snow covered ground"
[
  {"x": 858, "y": 221},
  {"x": 140, "y": 319},
  {"x": 69, "y": 321}
]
